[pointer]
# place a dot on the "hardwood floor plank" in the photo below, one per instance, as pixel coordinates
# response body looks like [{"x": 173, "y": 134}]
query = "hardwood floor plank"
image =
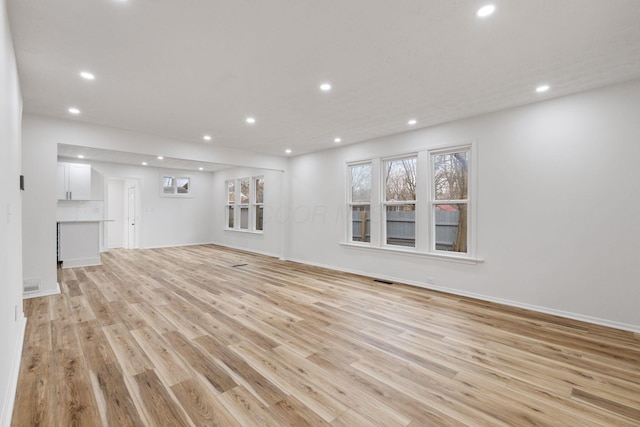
[
  {"x": 167, "y": 363},
  {"x": 178, "y": 336},
  {"x": 110, "y": 389},
  {"x": 207, "y": 367},
  {"x": 161, "y": 406},
  {"x": 202, "y": 406}
]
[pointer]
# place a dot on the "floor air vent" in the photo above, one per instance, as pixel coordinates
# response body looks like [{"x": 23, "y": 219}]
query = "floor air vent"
[{"x": 386, "y": 282}]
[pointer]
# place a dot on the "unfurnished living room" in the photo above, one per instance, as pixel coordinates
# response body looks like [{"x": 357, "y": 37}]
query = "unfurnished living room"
[{"x": 320, "y": 213}]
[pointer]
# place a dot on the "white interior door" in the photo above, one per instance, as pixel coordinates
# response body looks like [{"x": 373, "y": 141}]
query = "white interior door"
[{"x": 131, "y": 218}]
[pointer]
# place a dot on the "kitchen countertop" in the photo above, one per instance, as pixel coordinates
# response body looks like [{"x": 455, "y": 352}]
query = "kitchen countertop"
[{"x": 85, "y": 220}]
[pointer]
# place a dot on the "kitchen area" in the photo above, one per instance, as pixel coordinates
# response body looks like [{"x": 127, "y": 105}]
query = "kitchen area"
[{"x": 80, "y": 218}]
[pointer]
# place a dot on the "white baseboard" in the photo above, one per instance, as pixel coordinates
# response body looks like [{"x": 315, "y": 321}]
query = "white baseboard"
[
  {"x": 255, "y": 251},
  {"x": 81, "y": 262},
  {"x": 176, "y": 246},
  {"x": 7, "y": 410},
  {"x": 43, "y": 293},
  {"x": 540, "y": 309}
]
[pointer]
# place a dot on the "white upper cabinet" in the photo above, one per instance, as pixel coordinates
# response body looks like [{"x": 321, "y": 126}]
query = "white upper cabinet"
[{"x": 73, "y": 181}]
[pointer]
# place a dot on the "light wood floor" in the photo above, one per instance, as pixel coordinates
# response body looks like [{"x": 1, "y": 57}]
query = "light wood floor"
[{"x": 208, "y": 336}]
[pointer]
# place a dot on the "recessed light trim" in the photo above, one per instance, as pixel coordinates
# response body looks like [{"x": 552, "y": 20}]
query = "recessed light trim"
[
  {"x": 542, "y": 88},
  {"x": 325, "y": 87},
  {"x": 412, "y": 122},
  {"x": 250, "y": 120},
  {"x": 288, "y": 151},
  {"x": 486, "y": 10},
  {"x": 74, "y": 111},
  {"x": 160, "y": 158},
  {"x": 87, "y": 75},
  {"x": 337, "y": 140},
  {"x": 207, "y": 137}
]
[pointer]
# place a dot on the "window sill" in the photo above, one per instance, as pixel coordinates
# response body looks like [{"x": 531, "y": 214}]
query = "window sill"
[
  {"x": 243, "y": 231},
  {"x": 413, "y": 252}
]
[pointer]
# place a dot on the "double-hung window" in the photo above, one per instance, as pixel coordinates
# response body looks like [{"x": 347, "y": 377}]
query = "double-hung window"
[
  {"x": 244, "y": 208},
  {"x": 400, "y": 201},
  {"x": 421, "y": 202},
  {"x": 258, "y": 203},
  {"x": 245, "y": 193},
  {"x": 229, "y": 210},
  {"x": 450, "y": 200},
  {"x": 360, "y": 202}
]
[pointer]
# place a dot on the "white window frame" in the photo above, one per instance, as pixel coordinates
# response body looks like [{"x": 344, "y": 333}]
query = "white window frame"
[
  {"x": 244, "y": 205},
  {"x": 174, "y": 187},
  {"x": 386, "y": 203},
  {"x": 251, "y": 205},
  {"x": 351, "y": 203},
  {"x": 424, "y": 205},
  {"x": 470, "y": 193},
  {"x": 255, "y": 204},
  {"x": 229, "y": 204}
]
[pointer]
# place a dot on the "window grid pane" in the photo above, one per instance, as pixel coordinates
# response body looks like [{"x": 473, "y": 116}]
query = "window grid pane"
[
  {"x": 259, "y": 184},
  {"x": 361, "y": 223},
  {"x": 451, "y": 176},
  {"x": 400, "y": 179},
  {"x": 361, "y": 183},
  {"x": 401, "y": 225},
  {"x": 450, "y": 227}
]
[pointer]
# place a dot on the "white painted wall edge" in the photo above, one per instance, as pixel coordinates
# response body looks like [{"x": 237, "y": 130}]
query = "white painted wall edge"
[
  {"x": 7, "y": 411},
  {"x": 539, "y": 309},
  {"x": 44, "y": 293}
]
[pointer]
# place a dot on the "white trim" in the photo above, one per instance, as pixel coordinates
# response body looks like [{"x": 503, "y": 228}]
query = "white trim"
[
  {"x": 81, "y": 262},
  {"x": 176, "y": 246},
  {"x": 536, "y": 308},
  {"x": 244, "y": 230},
  {"x": 7, "y": 410},
  {"x": 44, "y": 293},
  {"x": 256, "y": 251},
  {"x": 442, "y": 256}
]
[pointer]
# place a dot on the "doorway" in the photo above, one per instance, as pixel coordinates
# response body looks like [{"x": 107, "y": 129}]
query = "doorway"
[
  {"x": 123, "y": 213},
  {"x": 131, "y": 218}
]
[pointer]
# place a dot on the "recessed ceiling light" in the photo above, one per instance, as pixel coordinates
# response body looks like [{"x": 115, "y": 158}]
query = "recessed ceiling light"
[
  {"x": 412, "y": 122},
  {"x": 74, "y": 110},
  {"x": 87, "y": 75},
  {"x": 542, "y": 88},
  {"x": 144, "y": 163},
  {"x": 337, "y": 140},
  {"x": 160, "y": 158},
  {"x": 200, "y": 169},
  {"x": 207, "y": 137},
  {"x": 485, "y": 11},
  {"x": 250, "y": 120},
  {"x": 288, "y": 151},
  {"x": 80, "y": 156},
  {"x": 325, "y": 87}
]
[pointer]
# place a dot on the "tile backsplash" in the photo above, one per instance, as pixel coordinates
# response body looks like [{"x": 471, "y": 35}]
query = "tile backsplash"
[{"x": 76, "y": 210}]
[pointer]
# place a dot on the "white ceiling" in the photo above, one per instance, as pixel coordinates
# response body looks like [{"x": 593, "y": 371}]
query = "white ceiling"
[{"x": 181, "y": 69}]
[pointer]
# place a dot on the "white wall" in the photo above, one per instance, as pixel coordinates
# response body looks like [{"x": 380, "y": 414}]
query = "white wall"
[
  {"x": 270, "y": 241},
  {"x": 11, "y": 315},
  {"x": 558, "y": 208}
]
